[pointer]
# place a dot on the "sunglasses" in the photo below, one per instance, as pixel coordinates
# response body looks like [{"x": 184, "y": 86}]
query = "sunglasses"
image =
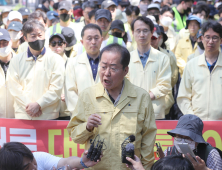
[
  {"x": 153, "y": 38},
  {"x": 53, "y": 43}
]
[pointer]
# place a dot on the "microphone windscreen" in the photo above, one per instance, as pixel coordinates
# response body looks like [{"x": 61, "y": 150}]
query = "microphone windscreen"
[
  {"x": 129, "y": 147},
  {"x": 132, "y": 138}
]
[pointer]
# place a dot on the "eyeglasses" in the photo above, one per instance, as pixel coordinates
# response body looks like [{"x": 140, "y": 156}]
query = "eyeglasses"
[
  {"x": 214, "y": 38},
  {"x": 145, "y": 31},
  {"x": 53, "y": 43},
  {"x": 111, "y": 69},
  {"x": 189, "y": 141},
  {"x": 153, "y": 38}
]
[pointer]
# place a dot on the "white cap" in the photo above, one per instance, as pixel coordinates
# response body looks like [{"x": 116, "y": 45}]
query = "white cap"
[
  {"x": 157, "y": 6},
  {"x": 14, "y": 15},
  {"x": 159, "y": 1},
  {"x": 134, "y": 2},
  {"x": 152, "y": 18}
]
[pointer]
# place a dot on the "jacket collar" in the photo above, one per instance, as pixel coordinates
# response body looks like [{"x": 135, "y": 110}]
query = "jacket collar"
[
  {"x": 83, "y": 59},
  {"x": 202, "y": 60},
  {"x": 127, "y": 91},
  {"x": 136, "y": 58},
  {"x": 31, "y": 57}
]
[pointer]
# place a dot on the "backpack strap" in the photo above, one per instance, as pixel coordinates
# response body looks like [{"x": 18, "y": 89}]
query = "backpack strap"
[{"x": 169, "y": 151}]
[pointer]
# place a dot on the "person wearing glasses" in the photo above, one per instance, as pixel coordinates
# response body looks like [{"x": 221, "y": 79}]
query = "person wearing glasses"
[
  {"x": 186, "y": 46},
  {"x": 150, "y": 68},
  {"x": 201, "y": 86},
  {"x": 57, "y": 43}
]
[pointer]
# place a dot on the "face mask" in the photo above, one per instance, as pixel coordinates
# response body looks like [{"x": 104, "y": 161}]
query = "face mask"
[
  {"x": 143, "y": 9},
  {"x": 37, "y": 45},
  {"x": 5, "y": 20},
  {"x": 24, "y": 20},
  {"x": 68, "y": 48},
  {"x": 160, "y": 42},
  {"x": 64, "y": 17},
  {"x": 4, "y": 52},
  {"x": 166, "y": 21},
  {"x": 15, "y": 35},
  {"x": 117, "y": 34},
  {"x": 156, "y": 17},
  {"x": 200, "y": 44},
  {"x": 192, "y": 145}
]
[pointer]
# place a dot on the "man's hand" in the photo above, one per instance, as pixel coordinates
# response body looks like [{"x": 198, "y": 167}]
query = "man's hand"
[
  {"x": 33, "y": 109},
  {"x": 136, "y": 163},
  {"x": 87, "y": 161},
  {"x": 93, "y": 121},
  {"x": 63, "y": 97},
  {"x": 152, "y": 96},
  {"x": 200, "y": 165}
]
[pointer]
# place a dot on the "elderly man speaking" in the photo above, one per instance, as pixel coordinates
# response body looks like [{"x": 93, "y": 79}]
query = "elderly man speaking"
[{"x": 115, "y": 109}]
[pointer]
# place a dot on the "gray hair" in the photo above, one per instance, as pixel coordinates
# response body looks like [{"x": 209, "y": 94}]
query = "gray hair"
[{"x": 31, "y": 25}]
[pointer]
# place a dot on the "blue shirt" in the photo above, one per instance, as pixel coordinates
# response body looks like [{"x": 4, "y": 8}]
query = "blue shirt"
[
  {"x": 144, "y": 57},
  {"x": 211, "y": 67},
  {"x": 35, "y": 57},
  {"x": 94, "y": 65}
]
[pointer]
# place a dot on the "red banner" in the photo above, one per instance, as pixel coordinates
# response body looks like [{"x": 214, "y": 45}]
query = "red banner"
[{"x": 52, "y": 137}]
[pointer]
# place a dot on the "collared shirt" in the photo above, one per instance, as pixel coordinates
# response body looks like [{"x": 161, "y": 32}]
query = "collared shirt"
[
  {"x": 211, "y": 67},
  {"x": 94, "y": 65},
  {"x": 4, "y": 66},
  {"x": 117, "y": 99},
  {"x": 144, "y": 57},
  {"x": 35, "y": 57}
]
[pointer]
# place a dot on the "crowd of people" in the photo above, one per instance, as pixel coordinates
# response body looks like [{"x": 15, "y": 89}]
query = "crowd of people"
[{"x": 112, "y": 68}]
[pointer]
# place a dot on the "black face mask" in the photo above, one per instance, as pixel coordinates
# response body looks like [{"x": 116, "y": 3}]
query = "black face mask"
[
  {"x": 157, "y": 18},
  {"x": 64, "y": 17},
  {"x": 117, "y": 34},
  {"x": 37, "y": 45},
  {"x": 24, "y": 20},
  {"x": 200, "y": 44}
]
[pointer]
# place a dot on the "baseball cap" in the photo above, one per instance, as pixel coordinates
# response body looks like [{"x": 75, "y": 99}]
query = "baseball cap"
[
  {"x": 154, "y": 1},
  {"x": 57, "y": 35},
  {"x": 15, "y": 25},
  {"x": 67, "y": 5},
  {"x": 103, "y": 13},
  {"x": 24, "y": 11},
  {"x": 4, "y": 35},
  {"x": 152, "y": 18},
  {"x": 192, "y": 18},
  {"x": 14, "y": 15},
  {"x": 118, "y": 25},
  {"x": 157, "y": 31},
  {"x": 155, "y": 6},
  {"x": 39, "y": 6},
  {"x": 69, "y": 35},
  {"x": 52, "y": 15},
  {"x": 106, "y": 4},
  {"x": 6, "y": 10},
  {"x": 120, "y": 16}
]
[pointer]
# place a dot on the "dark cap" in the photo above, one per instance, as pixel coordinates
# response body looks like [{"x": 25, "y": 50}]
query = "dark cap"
[
  {"x": 165, "y": 37},
  {"x": 52, "y": 15},
  {"x": 39, "y": 6},
  {"x": 69, "y": 35},
  {"x": 67, "y": 5},
  {"x": 16, "y": 26},
  {"x": 24, "y": 11},
  {"x": 4, "y": 35},
  {"x": 57, "y": 35},
  {"x": 118, "y": 25},
  {"x": 199, "y": 33},
  {"x": 107, "y": 3},
  {"x": 103, "y": 13},
  {"x": 191, "y": 126}
]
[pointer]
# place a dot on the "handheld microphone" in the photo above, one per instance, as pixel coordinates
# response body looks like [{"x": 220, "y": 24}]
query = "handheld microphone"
[{"x": 128, "y": 149}]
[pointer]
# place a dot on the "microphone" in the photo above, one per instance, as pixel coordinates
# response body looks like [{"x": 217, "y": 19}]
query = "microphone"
[{"x": 128, "y": 149}]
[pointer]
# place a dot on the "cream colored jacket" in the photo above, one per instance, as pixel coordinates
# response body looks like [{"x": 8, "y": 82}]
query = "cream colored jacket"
[
  {"x": 154, "y": 77},
  {"x": 78, "y": 77},
  {"x": 200, "y": 91},
  {"x": 172, "y": 40},
  {"x": 38, "y": 81}
]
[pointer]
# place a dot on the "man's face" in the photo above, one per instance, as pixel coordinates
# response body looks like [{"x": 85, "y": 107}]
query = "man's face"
[
  {"x": 57, "y": 45},
  {"x": 112, "y": 9},
  {"x": 186, "y": 5},
  {"x": 155, "y": 13},
  {"x": 4, "y": 43},
  {"x": 111, "y": 71},
  {"x": 166, "y": 14},
  {"x": 92, "y": 41},
  {"x": 36, "y": 34},
  {"x": 131, "y": 17},
  {"x": 193, "y": 27},
  {"x": 155, "y": 41},
  {"x": 64, "y": 11},
  {"x": 142, "y": 33},
  {"x": 211, "y": 41},
  {"x": 104, "y": 24},
  {"x": 85, "y": 13},
  {"x": 29, "y": 164},
  {"x": 202, "y": 15},
  {"x": 92, "y": 20}
]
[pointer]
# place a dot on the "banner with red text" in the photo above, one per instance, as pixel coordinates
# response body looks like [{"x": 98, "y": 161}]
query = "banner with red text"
[{"x": 51, "y": 136}]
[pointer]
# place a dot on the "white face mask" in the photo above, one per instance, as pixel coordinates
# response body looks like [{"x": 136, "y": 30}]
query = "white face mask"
[
  {"x": 5, "y": 20},
  {"x": 160, "y": 42},
  {"x": 192, "y": 144},
  {"x": 68, "y": 48},
  {"x": 4, "y": 52},
  {"x": 15, "y": 35},
  {"x": 166, "y": 21}
]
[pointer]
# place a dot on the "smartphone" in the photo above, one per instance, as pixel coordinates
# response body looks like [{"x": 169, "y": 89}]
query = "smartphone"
[{"x": 185, "y": 148}]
